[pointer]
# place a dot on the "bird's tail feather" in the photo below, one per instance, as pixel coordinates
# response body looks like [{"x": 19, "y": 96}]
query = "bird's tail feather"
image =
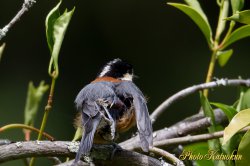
[{"x": 87, "y": 137}]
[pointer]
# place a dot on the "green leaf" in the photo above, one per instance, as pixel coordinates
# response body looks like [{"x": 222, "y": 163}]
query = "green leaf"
[
  {"x": 208, "y": 111},
  {"x": 50, "y": 21},
  {"x": 1, "y": 50},
  {"x": 242, "y": 17},
  {"x": 239, "y": 121},
  {"x": 223, "y": 14},
  {"x": 195, "y": 149},
  {"x": 224, "y": 56},
  {"x": 231, "y": 146},
  {"x": 245, "y": 104},
  {"x": 238, "y": 103},
  {"x": 56, "y": 26},
  {"x": 34, "y": 97},
  {"x": 198, "y": 18},
  {"x": 228, "y": 110},
  {"x": 196, "y": 5},
  {"x": 244, "y": 150},
  {"x": 238, "y": 34},
  {"x": 237, "y": 5}
]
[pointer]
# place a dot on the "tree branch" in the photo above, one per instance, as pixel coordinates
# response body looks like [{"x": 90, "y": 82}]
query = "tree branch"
[
  {"x": 180, "y": 129},
  {"x": 175, "y": 129},
  {"x": 27, "y": 4},
  {"x": 100, "y": 153},
  {"x": 192, "y": 139},
  {"x": 167, "y": 155},
  {"x": 190, "y": 90}
]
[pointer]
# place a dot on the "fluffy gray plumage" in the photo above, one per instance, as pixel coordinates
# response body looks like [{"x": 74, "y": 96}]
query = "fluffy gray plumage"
[{"x": 87, "y": 102}]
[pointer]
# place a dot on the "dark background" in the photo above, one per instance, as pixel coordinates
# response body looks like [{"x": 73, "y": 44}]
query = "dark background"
[{"x": 167, "y": 49}]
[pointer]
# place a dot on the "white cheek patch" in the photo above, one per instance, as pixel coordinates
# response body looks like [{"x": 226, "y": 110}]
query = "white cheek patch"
[{"x": 127, "y": 77}]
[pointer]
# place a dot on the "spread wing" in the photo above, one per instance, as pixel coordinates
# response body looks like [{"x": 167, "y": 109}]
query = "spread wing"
[{"x": 129, "y": 89}]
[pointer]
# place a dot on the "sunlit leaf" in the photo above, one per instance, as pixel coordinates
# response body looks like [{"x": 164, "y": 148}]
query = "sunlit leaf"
[
  {"x": 242, "y": 17},
  {"x": 239, "y": 121},
  {"x": 223, "y": 14},
  {"x": 228, "y": 110},
  {"x": 244, "y": 150},
  {"x": 198, "y": 19},
  {"x": 50, "y": 21},
  {"x": 196, "y": 5},
  {"x": 56, "y": 26},
  {"x": 237, "y": 5},
  {"x": 224, "y": 56},
  {"x": 238, "y": 34},
  {"x": 1, "y": 50}
]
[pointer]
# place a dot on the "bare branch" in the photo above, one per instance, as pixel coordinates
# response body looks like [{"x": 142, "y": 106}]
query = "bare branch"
[
  {"x": 192, "y": 139},
  {"x": 178, "y": 130},
  {"x": 190, "y": 90},
  {"x": 167, "y": 155},
  {"x": 27, "y": 4},
  {"x": 100, "y": 153}
]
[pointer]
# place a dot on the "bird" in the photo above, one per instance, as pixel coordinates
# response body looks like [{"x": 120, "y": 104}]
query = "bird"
[{"x": 112, "y": 104}]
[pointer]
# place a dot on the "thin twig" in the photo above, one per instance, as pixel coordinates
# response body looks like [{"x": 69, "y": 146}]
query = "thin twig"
[
  {"x": 167, "y": 155},
  {"x": 27, "y": 4},
  {"x": 192, "y": 139},
  {"x": 55, "y": 160},
  {"x": 23, "y": 126},
  {"x": 190, "y": 90}
]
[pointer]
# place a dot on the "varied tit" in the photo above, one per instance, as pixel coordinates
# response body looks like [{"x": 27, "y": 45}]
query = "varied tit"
[{"x": 112, "y": 104}]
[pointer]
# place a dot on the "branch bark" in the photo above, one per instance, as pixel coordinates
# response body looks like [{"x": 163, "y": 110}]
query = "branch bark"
[
  {"x": 190, "y": 90},
  {"x": 27, "y": 4},
  {"x": 192, "y": 139},
  {"x": 167, "y": 155},
  {"x": 180, "y": 129},
  {"x": 100, "y": 153}
]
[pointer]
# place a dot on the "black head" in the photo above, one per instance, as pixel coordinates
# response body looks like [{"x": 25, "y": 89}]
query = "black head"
[{"x": 118, "y": 69}]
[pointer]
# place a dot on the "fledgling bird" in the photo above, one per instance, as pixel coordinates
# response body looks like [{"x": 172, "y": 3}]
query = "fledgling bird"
[{"x": 112, "y": 104}]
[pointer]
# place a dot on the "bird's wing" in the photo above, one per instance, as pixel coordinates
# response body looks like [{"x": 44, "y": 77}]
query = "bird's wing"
[
  {"x": 129, "y": 89},
  {"x": 92, "y": 93}
]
